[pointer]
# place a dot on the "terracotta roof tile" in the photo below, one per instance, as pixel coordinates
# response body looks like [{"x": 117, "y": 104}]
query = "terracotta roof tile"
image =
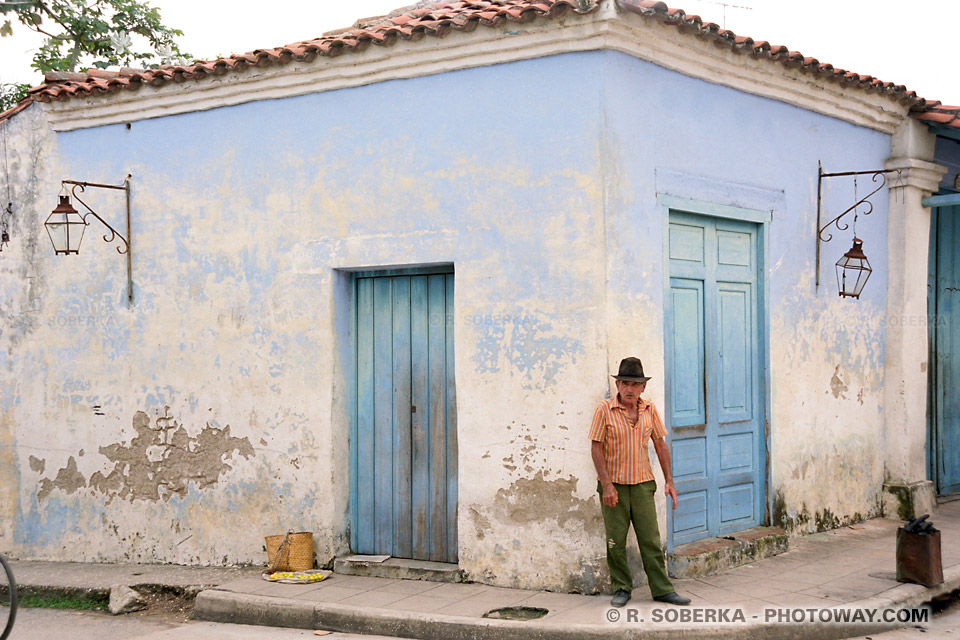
[
  {"x": 411, "y": 23},
  {"x": 940, "y": 114},
  {"x": 676, "y": 17},
  {"x": 437, "y": 19},
  {"x": 14, "y": 110}
]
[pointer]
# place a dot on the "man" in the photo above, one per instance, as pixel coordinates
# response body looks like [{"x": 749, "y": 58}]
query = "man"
[{"x": 621, "y": 428}]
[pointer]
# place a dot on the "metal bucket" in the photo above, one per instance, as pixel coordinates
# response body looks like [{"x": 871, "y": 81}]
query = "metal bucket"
[{"x": 918, "y": 558}]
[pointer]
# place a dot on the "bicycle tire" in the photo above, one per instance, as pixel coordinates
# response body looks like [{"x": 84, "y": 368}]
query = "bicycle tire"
[{"x": 12, "y": 584}]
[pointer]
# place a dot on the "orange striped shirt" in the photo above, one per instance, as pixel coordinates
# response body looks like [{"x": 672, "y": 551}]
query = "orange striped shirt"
[{"x": 625, "y": 445}]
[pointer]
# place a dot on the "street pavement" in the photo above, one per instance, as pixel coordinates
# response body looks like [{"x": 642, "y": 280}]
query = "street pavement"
[
  {"x": 944, "y": 626},
  {"x": 798, "y": 594},
  {"x": 34, "y": 624}
]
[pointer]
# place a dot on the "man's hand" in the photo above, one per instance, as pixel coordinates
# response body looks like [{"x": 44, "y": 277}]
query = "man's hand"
[
  {"x": 671, "y": 491},
  {"x": 663, "y": 454},
  {"x": 610, "y": 496}
]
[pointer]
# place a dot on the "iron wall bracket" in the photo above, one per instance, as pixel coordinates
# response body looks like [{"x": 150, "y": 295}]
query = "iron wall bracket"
[
  {"x": 114, "y": 234},
  {"x": 822, "y": 235}
]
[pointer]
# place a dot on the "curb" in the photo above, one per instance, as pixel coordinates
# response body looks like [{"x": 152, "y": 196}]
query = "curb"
[
  {"x": 907, "y": 595},
  {"x": 100, "y": 596},
  {"x": 216, "y": 605},
  {"x": 94, "y": 595}
]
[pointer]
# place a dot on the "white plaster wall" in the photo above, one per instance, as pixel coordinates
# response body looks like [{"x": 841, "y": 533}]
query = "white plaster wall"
[
  {"x": 196, "y": 363},
  {"x": 247, "y": 220},
  {"x": 117, "y": 416},
  {"x": 825, "y": 355}
]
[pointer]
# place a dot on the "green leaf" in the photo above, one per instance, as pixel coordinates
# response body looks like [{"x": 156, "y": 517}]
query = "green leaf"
[
  {"x": 11, "y": 94},
  {"x": 78, "y": 32}
]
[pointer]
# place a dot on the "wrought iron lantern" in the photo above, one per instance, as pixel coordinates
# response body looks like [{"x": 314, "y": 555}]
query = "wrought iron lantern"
[
  {"x": 5, "y": 216},
  {"x": 853, "y": 271},
  {"x": 65, "y": 226}
]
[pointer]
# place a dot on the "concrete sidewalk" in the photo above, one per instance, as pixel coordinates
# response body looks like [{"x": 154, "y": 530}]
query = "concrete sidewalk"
[{"x": 853, "y": 567}]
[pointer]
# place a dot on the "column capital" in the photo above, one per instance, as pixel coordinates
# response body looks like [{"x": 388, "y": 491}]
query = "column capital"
[{"x": 917, "y": 173}]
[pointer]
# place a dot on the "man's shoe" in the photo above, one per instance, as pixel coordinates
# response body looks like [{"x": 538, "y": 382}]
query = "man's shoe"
[
  {"x": 622, "y": 597},
  {"x": 672, "y": 598}
]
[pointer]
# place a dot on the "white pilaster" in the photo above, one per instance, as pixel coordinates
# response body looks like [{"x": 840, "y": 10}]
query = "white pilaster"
[{"x": 907, "y": 490}]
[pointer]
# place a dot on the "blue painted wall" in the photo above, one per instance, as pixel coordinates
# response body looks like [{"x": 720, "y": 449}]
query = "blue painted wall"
[
  {"x": 825, "y": 354},
  {"x": 537, "y": 180},
  {"x": 242, "y": 217}
]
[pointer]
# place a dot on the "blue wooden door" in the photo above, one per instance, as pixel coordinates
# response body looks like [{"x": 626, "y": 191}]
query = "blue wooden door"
[
  {"x": 946, "y": 350},
  {"x": 404, "y": 490},
  {"x": 715, "y": 400}
]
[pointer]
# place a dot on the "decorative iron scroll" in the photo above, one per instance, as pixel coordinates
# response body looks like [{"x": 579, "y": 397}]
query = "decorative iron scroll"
[
  {"x": 822, "y": 234},
  {"x": 842, "y": 226},
  {"x": 114, "y": 234},
  {"x": 5, "y": 216}
]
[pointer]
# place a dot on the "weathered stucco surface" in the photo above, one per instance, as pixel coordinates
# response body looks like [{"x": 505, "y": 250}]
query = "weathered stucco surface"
[
  {"x": 825, "y": 445},
  {"x": 31, "y": 154},
  {"x": 215, "y": 410}
]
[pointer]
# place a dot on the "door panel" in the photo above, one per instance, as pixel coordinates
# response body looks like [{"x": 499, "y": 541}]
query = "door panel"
[
  {"x": 686, "y": 243},
  {"x": 947, "y": 350},
  {"x": 687, "y": 308},
  {"x": 420, "y": 441},
  {"x": 736, "y": 452},
  {"x": 383, "y": 413},
  {"x": 362, "y": 486},
  {"x": 715, "y": 395},
  {"x": 736, "y": 506},
  {"x": 436, "y": 419},
  {"x": 402, "y": 426},
  {"x": 734, "y": 248},
  {"x": 736, "y": 352},
  {"x": 690, "y": 458},
  {"x": 405, "y": 443},
  {"x": 690, "y": 516}
]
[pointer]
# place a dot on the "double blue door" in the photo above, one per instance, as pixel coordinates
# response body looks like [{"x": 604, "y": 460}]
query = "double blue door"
[
  {"x": 715, "y": 394},
  {"x": 945, "y": 349},
  {"x": 404, "y": 489}
]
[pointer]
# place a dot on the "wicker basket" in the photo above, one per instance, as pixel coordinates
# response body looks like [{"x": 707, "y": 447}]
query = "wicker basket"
[{"x": 290, "y": 552}]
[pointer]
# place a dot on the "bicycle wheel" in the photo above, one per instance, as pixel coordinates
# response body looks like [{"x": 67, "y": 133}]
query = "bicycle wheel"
[{"x": 8, "y": 601}]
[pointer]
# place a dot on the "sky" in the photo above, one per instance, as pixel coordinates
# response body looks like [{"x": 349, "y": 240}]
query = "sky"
[{"x": 896, "y": 41}]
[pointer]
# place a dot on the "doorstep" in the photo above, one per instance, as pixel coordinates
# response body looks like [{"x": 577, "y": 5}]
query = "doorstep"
[
  {"x": 712, "y": 555},
  {"x": 399, "y": 569}
]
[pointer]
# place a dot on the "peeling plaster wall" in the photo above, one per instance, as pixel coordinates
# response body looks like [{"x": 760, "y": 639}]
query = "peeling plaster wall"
[
  {"x": 30, "y": 148},
  {"x": 826, "y": 353},
  {"x": 215, "y": 410}
]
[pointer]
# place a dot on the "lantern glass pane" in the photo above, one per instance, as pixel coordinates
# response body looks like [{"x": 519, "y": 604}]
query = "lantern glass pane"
[
  {"x": 852, "y": 275},
  {"x": 862, "y": 276},
  {"x": 65, "y": 231},
  {"x": 851, "y": 280},
  {"x": 57, "y": 230}
]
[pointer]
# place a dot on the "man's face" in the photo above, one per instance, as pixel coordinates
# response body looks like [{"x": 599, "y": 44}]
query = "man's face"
[{"x": 630, "y": 391}]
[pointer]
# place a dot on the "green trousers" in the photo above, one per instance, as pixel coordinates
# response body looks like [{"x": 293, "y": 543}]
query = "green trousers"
[{"x": 634, "y": 504}]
